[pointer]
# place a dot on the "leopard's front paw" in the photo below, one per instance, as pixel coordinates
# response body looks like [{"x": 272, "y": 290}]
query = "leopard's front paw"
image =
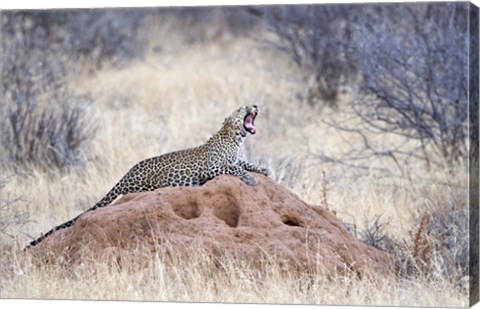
[
  {"x": 249, "y": 180},
  {"x": 265, "y": 171}
]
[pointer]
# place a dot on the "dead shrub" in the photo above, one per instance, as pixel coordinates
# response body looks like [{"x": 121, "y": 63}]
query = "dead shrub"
[{"x": 46, "y": 136}]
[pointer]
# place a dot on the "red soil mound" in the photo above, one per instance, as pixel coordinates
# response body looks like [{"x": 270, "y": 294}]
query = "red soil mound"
[{"x": 224, "y": 217}]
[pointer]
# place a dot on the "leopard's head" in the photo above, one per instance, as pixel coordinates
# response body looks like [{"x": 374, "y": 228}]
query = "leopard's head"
[{"x": 242, "y": 120}]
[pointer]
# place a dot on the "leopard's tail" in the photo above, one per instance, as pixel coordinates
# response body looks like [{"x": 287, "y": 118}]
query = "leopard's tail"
[
  {"x": 110, "y": 197},
  {"x": 59, "y": 227}
]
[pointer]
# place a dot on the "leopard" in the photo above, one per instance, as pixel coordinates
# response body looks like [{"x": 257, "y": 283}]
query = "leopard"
[{"x": 222, "y": 154}]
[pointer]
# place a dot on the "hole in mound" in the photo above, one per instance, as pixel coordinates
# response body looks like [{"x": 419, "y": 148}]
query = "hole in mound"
[
  {"x": 291, "y": 221},
  {"x": 187, "y": 211},
  {"x": 229, "y": 212}
]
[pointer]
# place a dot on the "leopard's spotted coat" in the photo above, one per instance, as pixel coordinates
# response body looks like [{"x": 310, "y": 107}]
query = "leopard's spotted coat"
[{"x": 221, "y": 154}]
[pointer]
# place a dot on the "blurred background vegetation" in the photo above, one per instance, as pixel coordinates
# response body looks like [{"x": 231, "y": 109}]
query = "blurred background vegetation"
[{"x": 407, "y": 65}]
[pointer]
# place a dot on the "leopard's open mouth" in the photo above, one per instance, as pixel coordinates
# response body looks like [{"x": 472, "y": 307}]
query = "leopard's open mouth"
[{"x": 248, "y": 122}]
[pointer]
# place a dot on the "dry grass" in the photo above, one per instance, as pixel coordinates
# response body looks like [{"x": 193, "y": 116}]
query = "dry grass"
[
  {"x": 177, "y": 99},
  {"x": 160, "y": 279}
]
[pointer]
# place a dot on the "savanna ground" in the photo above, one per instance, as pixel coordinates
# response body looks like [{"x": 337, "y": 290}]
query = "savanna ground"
[{"x": 175, "y": 97}]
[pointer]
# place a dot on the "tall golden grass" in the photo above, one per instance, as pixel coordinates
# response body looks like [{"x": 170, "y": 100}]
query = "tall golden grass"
[
  {"x": 177, "y": 99},
  {"x": 200, "y": 280}
]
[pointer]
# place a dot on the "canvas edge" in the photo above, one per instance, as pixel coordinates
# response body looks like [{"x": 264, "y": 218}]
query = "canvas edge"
[{"x": 474, "y": 154}]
